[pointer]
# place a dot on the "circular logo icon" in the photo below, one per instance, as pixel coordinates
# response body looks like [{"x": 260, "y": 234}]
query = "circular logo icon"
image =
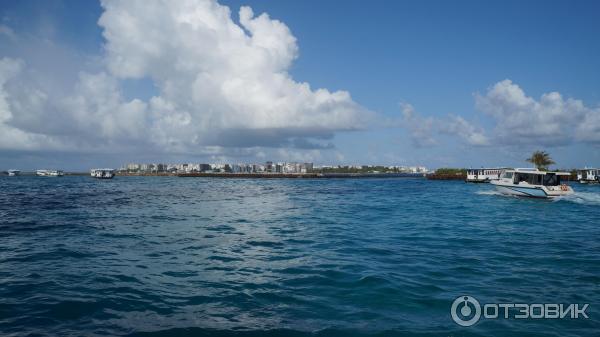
[{"x": 465, "y": 310}]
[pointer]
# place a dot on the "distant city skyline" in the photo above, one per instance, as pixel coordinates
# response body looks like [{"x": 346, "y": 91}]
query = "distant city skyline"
[
  {"x": 88, "y": 84},
  {"x": 268, "y": 167}
]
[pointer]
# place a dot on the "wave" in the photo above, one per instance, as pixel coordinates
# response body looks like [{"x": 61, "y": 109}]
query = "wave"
[
  {"x": 489, "y": 192},
  {"x": 497, "y": 193},
  {"x": 584, "y": 198},
  {"x": 332, "y": 332}
]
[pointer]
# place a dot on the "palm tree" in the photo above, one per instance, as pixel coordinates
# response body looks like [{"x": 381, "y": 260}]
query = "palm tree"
[{"x": 541, "y": 160}]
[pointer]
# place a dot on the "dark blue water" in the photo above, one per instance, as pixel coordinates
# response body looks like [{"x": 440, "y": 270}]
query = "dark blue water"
[{"x": 349, "y": 257}]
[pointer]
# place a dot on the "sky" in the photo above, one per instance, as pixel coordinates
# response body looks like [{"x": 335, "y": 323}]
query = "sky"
[{"x": 442, "y": 84}]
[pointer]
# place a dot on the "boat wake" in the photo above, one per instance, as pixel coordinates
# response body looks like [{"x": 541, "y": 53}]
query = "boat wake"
[
  {"x": 584, "y": 198},
  {"x": 490, "y": 192},
  {"x": 497, "y": 193}
]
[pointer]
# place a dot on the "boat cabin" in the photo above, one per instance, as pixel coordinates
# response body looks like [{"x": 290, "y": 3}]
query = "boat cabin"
[
  {"x": 482, "y": 175},
  {"x": 533, "y": 177},
  {"x": 533, "y": 183},
  {"x": 13, "y": 173},
  {"x": 103, "y": 173},
  {"x": 588, "y": 175},
  {"x": 49, "y": 173}
]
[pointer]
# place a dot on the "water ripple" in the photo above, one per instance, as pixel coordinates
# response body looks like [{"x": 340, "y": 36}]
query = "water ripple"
[{"x": 186, "y": 257}]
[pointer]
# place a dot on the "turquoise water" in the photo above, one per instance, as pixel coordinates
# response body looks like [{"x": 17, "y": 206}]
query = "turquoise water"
[{"x": 165, "y": 256}]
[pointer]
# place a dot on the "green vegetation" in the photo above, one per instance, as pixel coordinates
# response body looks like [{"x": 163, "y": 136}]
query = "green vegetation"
[
  {"x": 541, "y": 160},
  {"x": 451, "y": 171}
]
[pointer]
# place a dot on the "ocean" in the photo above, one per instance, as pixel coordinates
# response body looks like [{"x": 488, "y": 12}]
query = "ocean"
[{"x": 168, "y": 256}]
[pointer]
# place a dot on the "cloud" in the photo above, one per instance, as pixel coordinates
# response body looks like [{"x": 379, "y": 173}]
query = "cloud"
[
  {"x": 300, "y": 138},
  {"x": 220, "y": 84},
  {"x": 8, "y": 32},
  {"x": 421, "y": 128},
  {"x": 470, "y": 134},
  {"x": 307, "y": 156},
  {"x": 219, "y": 74},
  {"x": 588, "y": 130},
  {"x": 550, "y": 121},
  {"x": 10, "y": 137},
  {"x": 516, "y": 119}
]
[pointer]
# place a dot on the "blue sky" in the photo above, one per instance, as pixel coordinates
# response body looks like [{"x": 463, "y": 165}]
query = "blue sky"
[{"x": 426, "y": 82}]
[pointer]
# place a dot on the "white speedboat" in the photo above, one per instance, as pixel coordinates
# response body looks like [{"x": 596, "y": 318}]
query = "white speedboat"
[
  {"x": 102, "y": 173},
  {"x": 532, "y": 183},
  {"x": 12, "y": 173},
  {"x": 588, "y": 175},
  {"x": 483, "y": 175},
  {"x": 49, "y": 173}
]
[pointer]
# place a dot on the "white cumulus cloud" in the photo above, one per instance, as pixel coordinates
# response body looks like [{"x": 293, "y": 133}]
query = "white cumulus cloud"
[
  {"x": 12, "y": 138},
  {"x": 515, "y": 118},
  {"x": 216, "y": 75},
  {"x": 423, "y": 129},
  {"x": 220, "y": 83},
  {"x": 550, "y": 120},
  {"x": 469, "y": 133}
]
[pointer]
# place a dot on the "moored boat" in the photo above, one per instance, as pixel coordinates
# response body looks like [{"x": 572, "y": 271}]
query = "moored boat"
[
  {"x": 483, "y": 175},
  {"x": 532, "y": 183},
  {"x": 12, "y": 173},
  {"x": 588, "y": 176},
  {"x": 102, "y": 173},
  {"x": 49, "y": 173}
]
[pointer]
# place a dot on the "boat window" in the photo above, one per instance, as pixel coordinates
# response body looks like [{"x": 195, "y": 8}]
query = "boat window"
[
  {"x": 535, "y": 179},
  {"x": 508, "y": 175},
  {"x": 532, "y": 179},
  {"x": 551, "y": 180},
  {"x": 520, "y": 177}
]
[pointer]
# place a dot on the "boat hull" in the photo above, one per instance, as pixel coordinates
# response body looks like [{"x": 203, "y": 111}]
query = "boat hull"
[
  {"x": 534, "y": 191},
  {"x": 479, "y": 181},
  {"x": 522, "y": 192},
  {"x": 103, "y": 177},
  {"x": 589, "y": 181}
]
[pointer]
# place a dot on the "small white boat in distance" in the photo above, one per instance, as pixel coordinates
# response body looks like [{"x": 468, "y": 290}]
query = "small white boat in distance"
[
  {"x": 12, "y": 173},
  {"x": 49, "y": 173},
  {"x": 102, "y": 173},
  {"x": 484, "y": 175},
  {"x": 532, "y": 183},
  {"x": 588, "y": 175}
]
